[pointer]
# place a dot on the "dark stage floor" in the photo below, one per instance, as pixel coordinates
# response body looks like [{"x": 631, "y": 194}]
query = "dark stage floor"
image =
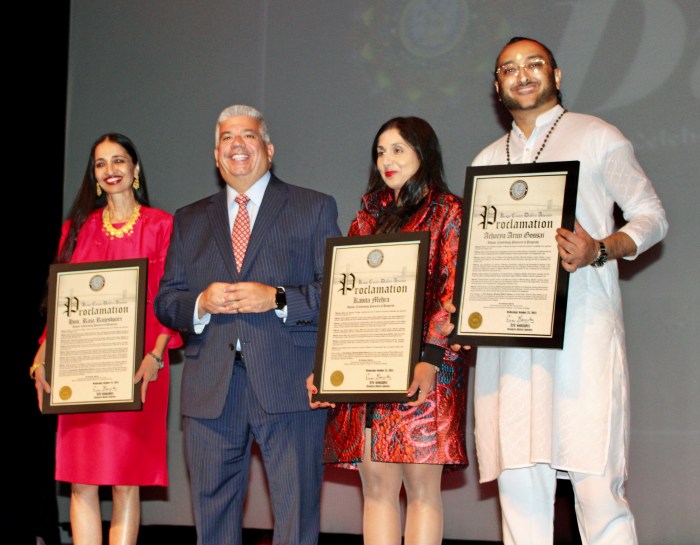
[
  {"x": 185, "y": 535},
  {"x": 565, "y": 530}
]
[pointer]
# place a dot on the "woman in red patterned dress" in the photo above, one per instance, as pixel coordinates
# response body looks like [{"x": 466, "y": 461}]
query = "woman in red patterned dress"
[
  {"x": 408, "y": 444},
  {"x": 111, "y": 220}
]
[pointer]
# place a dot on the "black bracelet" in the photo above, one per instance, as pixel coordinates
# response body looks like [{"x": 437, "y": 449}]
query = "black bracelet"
[{"x": 159, "y": 360}]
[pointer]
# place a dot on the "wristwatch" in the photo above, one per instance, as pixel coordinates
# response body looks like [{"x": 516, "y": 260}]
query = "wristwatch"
[
  {"x": 158, "y": 359},
  {"x": 602, "y": 256},
  {"x": 280, "y": 298}
]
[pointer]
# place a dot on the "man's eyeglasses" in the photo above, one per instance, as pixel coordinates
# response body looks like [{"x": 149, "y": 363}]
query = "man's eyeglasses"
[{"x": 510, "y": 69}]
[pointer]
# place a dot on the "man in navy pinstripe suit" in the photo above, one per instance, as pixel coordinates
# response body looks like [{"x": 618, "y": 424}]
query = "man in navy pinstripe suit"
[{"x": 251, "y": 337}]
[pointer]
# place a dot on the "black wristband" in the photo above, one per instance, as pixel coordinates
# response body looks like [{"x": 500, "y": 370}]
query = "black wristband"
[
  {"x": 280, "y": 298},
  {"x": 433, "y": 354}
]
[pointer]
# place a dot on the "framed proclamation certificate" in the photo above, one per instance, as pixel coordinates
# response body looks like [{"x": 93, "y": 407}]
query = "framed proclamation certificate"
[
  {"x": 510, "y": 288},
  {"x": 94, "y": 336},
  {"x": 371, "y": 319}
]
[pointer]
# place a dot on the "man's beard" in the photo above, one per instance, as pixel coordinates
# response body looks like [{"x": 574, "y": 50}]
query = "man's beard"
[{"x": 549, "y": 91}]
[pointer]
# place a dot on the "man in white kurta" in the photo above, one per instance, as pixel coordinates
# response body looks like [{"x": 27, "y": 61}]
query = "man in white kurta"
[{"x": 543, "y": 413}]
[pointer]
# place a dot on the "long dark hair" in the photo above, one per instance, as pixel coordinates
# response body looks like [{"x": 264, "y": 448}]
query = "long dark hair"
[
  {"x": 430, "y": 174},
  {"x": 87, "y": 200}
]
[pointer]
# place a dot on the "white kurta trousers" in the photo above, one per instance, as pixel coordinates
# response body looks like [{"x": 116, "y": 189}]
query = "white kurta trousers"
[{"x": 603, "y": 514}]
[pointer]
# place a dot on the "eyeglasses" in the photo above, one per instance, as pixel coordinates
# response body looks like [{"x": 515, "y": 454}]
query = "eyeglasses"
[{"x": 510, "y": 69}]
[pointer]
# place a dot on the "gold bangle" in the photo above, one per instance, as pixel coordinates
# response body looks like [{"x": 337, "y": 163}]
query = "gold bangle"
[{"x": 34, "y": 367}]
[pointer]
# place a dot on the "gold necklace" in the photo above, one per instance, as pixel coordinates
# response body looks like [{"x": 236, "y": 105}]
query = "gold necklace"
[
  {"x": 549, "y": 132},
  {"x": 126, "y": 229}
]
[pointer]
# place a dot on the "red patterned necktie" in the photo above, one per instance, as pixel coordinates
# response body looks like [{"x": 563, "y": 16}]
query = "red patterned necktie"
[{"x": 241, "y": 230}]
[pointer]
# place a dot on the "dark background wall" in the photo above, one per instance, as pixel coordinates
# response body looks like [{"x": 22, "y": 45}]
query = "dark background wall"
[{"x": 38, "y": 57}]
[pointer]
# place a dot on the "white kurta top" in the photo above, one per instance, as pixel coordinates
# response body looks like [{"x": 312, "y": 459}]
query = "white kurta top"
[{"x": 558, "y": 406}]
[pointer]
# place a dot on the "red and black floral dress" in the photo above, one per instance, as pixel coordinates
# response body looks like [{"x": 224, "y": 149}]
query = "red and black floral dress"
[{"x": 434, "y": 432}]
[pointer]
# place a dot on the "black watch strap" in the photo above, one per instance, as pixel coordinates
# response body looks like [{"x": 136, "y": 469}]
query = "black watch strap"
[{"x": 280, "y": 298}]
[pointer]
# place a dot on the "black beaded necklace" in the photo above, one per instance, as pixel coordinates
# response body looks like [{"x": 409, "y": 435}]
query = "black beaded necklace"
[{"x": 543, "y": 143}]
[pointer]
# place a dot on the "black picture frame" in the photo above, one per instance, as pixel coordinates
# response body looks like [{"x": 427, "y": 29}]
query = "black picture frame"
[
  {"x": 367, "y": 347},
  {"x": 95, "y": 335},
  {"x": 510, "y": 287}
]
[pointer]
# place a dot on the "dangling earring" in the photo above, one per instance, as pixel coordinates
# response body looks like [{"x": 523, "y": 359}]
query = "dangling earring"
[
  {"x": 137, "y": 183},
  {"x": 99, "y": 190}
]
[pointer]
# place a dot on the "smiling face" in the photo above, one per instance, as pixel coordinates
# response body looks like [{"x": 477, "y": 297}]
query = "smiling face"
[
  {"x": 533, "y": 89},
  {"x": 114, "y": 168},
  {"x": 241, "y": 154},
  {"x": 397, "y": 161}
]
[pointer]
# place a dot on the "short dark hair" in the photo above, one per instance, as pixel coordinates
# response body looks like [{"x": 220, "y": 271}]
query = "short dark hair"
[{"x": 552, "y": 61}]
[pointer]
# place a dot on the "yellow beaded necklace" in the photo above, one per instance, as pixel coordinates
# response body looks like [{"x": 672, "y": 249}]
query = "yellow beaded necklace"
[{"x": 126, "y": 229}]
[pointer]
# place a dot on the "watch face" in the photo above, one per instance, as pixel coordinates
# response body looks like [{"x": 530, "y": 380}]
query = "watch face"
[
  {"x": 602, "y": 256},
  {"x": 280, "y": 299}
]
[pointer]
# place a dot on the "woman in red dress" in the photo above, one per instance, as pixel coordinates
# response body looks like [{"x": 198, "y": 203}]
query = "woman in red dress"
[
  {"x": 111, "y": 220},
  {"x": 408, "y": 444}
]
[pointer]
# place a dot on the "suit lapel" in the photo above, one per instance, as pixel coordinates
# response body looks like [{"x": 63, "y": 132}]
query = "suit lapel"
[
  {"x": 218, "y": 220},
  {"x": 274, "y": 200}
]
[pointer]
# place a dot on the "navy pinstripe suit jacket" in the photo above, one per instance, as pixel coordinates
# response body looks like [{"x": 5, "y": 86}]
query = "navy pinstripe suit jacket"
[{"x": 286, "y": 248}]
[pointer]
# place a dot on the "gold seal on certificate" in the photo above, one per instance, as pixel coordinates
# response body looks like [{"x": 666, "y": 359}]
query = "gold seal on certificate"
[
  {"x": 475, "y": 320},
  {"x": 337, "y": 378},
  {"x": 65, "y": 393}
]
